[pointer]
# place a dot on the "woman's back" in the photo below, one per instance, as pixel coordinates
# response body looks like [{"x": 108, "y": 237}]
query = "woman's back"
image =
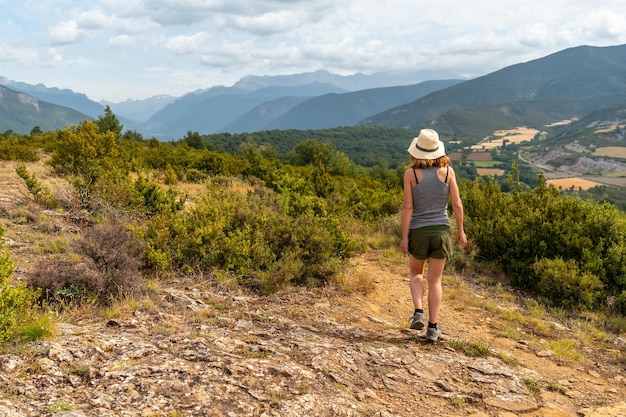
[{"x": 430, "y": 198}]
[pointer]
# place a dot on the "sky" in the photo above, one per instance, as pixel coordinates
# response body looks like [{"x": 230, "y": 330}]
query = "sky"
[{"x": 116, "y": 50}]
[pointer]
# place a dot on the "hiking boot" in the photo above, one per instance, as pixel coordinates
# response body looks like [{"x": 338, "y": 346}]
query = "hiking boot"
[
  {"x": 418, "y": 321},
  {"x": 433, "y": 334}
]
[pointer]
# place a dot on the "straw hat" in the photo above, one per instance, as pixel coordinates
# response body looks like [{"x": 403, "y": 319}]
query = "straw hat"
[{"x": 427, "y": 145}]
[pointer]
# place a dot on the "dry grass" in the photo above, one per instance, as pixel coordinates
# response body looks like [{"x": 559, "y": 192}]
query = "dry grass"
[
  {"x": 577, "y": 183},
  {"x": 517, "y": 135},
  {"x": 609, "y": 129},
  {"x": 360, "y": 281},
  {"x": 494, "y": 172},
  {"x": 612, "y": 151},
  {"x": 561, "y": 122}
]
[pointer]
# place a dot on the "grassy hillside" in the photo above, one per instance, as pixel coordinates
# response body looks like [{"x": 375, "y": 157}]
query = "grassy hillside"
[
  {"x": 472, "y": 125},
  {"x": 583, "y": 78},
  {"x": 602, "y": 127}
]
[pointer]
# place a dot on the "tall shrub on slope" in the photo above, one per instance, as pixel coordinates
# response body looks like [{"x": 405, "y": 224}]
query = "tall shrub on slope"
[
  {"x": 570, "y": 250},
  {"x": 256, "y": 238},
  {"x": 98, "y": 164}
]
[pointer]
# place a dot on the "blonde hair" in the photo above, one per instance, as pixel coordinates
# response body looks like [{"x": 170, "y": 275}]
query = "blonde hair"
[{"x": 441, "y": 162}]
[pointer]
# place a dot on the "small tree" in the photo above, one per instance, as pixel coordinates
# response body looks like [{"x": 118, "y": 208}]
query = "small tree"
[
  {"x": 194, "y": 140},
  {"x": 98, "y": 163},
  {"x": 108, "y": 122}
]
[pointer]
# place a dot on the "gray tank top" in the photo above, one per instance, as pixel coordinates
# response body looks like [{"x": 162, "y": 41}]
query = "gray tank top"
[{"x": 430, "y": 200}]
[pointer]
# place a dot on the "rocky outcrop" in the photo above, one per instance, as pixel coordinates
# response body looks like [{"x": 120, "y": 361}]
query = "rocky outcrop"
[{"x": 209, "y": 353}]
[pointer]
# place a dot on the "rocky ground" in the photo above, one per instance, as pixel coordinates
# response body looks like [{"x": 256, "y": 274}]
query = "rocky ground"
[{"x": 195, "y": 349}]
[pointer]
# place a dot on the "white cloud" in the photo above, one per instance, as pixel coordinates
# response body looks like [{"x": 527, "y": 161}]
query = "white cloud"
[
  {"x": 95, "y": 19},
  {"x": 186, "y": 44},
  {"x": 605, "y": 25},
  {"x": 224, "y": 40},
  {"x": 183, "y": 12},
  {"x": 29, "y": 57},
  {"x": 65, "y": 32},
  {"x": 269, "y": 23},
  {"x": 121, "y": 41}
]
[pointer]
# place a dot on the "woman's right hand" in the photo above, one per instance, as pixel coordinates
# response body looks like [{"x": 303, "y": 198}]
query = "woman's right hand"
[{"x": 404, "y": 246}]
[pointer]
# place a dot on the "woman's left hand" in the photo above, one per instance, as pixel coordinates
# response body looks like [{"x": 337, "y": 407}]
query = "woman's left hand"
[{"x": 462, "y": 239}]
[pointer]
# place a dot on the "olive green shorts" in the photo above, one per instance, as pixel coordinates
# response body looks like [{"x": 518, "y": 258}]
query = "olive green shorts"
[{"x": 430, "y": 242}]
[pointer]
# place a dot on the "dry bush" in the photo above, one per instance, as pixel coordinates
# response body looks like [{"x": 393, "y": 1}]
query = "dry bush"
[{"x": 109, "y": 268}]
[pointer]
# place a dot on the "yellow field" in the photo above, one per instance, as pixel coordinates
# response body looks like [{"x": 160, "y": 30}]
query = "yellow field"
[
  {"x": 577, "y": 183},
  {"x": 485, "y": 146},
  {"x": 517, "y": 135},
  {"x": 494, "y": 172},
  {"x": 608, "y": 129},
  {"x": 613, "y": 151},
  {"x": 561, "y": 123}
]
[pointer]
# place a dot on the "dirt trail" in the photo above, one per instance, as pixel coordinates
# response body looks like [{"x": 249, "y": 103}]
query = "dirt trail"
[{"x": 574, "y": 386}]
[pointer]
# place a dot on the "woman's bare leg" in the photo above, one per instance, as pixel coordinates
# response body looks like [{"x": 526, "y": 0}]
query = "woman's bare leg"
[
  {"x": 416, "y": 281},
  {"x": 435, "y": 292}
]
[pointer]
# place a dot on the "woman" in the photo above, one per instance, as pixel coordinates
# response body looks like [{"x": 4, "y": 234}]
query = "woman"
[{"x": 429, "y": 182}]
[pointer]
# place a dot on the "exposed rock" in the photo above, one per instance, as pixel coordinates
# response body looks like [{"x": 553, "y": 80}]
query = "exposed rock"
[
  {"x": 263, "y": 363},
  {"x": 616, "y": 410},
  {"x": 586, "y": 165}
]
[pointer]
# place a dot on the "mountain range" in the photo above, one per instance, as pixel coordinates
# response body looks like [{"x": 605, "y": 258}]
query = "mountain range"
[{"x": 563, "y": 85}]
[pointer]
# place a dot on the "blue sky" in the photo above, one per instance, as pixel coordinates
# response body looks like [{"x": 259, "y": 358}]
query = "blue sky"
[{"x": 119, "y": 49}]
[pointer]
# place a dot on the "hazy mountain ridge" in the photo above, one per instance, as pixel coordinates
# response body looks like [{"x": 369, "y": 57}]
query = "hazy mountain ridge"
[
  {"x": 61, "y": 97},
  {"x": 332, "y": 110},
  {"x": 354, "y": 82},
  {"x": 262, "y": 115},
  {"x": 140, "y": 110},
  {"x": 21, "y": 112},
  {"x": 151, "y": 118},
  {"x": 207, "y": 113}
]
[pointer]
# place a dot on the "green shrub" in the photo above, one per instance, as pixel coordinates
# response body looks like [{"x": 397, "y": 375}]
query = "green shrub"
[
  {"x": 531, "y": 233},
  {"x": 258, "y": 237},
  {"x": 40, "y": 192},
  {"x": 563, "y": 283},
  {"x": 151, "y": 199},
  {"x": 367, "y": 199},
  {"x": 86, "y": 152},
  {"x": 170, "y": 177},
  {"x": 98, "y": 164},
  {"x": 6, "y": 264},
  {"x": 16, "y": 148},
  {"x": 17, "y": 307},
  {"x": 17, "y": 302},
  {"x": 620, "y": 303}
]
